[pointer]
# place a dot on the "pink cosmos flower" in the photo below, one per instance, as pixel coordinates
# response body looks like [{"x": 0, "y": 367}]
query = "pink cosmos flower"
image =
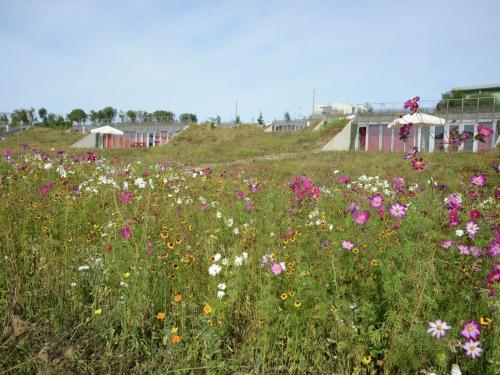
[
  {"x": 45, "y": 189},
  {"x": 453, "y": 201},
  {"x": 126, "y": 232},
  {"x": 344, "y": 179},
  {"x": 347, "y": 245},
  {"x": 418, "y": 164},
  {"x": 381, "y": 213},
  {"x": 475, "y": 251},
  {"x": 463, "y": 249},
  {"x": 493, "y": 276},
  {"x": 377, "y": 201},
  {"x": 484, "y": 131},
  {"x": 471, "y": 228},
  {"x": 240, "y": 194},
  {"x": 404, "y": 132},
  {"x": 472, "y": 349},
  {"x": 6, "y": 153},
  {"x": 125, "y": 197},
  {"x": 361, "y": 217},
  {"x": 494, "y": 249},
  {"x": 278, "y": 268},
  {"x": 453, "y": 219},
  {"x": 398, "y": 183},
  {"x": 470, "y": 330},
  {"x": 478, "y": 180},
  {"x": 398, "y": 210},
  {"x": 438, "y": 329},
  {"x": 447, "y": 244},
  {"x": 353, "y": 207},
  {"x": 412, "y": 104}
]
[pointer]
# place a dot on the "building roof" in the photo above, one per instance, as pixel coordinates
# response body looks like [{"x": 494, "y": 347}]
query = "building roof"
[{"x": 478, "y": 87}]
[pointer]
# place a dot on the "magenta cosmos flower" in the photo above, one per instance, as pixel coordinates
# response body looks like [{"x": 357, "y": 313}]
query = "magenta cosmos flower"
[
  {"x": 472, "y": 348},
  {"x": 398, "y": 210},
  {"x": 470, "y": 330},
  {"x": 125, "y": 197},
  {"x": 438, "y": 328},
  {"x": 361, "y": 217},
  {"x": 377, "y": 201},
  {"x": 412, "y": 104},
  {"x": 478, "y": 180},
  {"x": 125, "y": 233}
]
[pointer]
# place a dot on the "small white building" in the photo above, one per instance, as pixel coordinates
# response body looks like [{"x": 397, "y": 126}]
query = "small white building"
[{"x": 332, "y": 109}]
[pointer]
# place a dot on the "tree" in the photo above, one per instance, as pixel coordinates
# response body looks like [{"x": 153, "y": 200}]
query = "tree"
[
  {"x": 42, "y": 113},
  {"x": 77, "y": 115},
  {"x": 94, "y": 117},
  {"x": 287, "y": 116},
  {"x": 218, "y": 120},
  {"x": 237, "y": 120},
  {"x": 456, "y": 98},
  {"x": 122, "y": 116},
  {"x": 18, "y": 117},
  {"x": 4, "y": 119},
  {"x": 188, "y": 117},
  {"x": 132, "y": 115},
  {"x": 107, "y": 114},
  {"x": 260, "y": 120},
  {"x": 164, "y": 116}
]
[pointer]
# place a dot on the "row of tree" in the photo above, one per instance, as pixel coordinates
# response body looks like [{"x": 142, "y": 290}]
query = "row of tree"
[{"x": 106, "y": 115}]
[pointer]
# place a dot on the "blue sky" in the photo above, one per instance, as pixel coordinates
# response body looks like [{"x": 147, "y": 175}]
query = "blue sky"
[{"x": 199, "y": 56}]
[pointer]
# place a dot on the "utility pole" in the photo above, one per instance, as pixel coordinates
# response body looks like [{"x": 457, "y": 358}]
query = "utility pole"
[
  {"x": 314, "y": 97},
  {"x": 236, "y": 116}
]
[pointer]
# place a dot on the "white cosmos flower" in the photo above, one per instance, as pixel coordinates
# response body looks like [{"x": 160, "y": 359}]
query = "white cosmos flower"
[
  {"x": 214, "y": 269},
  {"x": 236, "y": 231},
  {"x": 140, "y": 183},
  {"x": 218, "y": 215},
  {"x": 244, "y": 255},
  {"x": 222, "y": 286},
  {"x": 221, "y": 294},
  {"x": 217, "y": 257},
  {"x": 459, "y": 232},
  {"x": 238, "y": 261},
  {"x": 47, "y": 165},
  {"x": 224, "y": 261},
  {"x": 230, "y": 222},
  {"x": 83, "y": 268},
  {"x": 72, "y": 285}
]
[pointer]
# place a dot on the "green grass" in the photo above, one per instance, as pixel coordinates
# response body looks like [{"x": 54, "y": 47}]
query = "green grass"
[
  {"x": 42, "y": 138},
  {"x": 349, "y": 307}
]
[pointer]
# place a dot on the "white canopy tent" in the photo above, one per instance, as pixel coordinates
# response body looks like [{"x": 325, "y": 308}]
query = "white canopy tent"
[
  {"x": 417, "y": 119},
  {"x": 107, "y": 130}
]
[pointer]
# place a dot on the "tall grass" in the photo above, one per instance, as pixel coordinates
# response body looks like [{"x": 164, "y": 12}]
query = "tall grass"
[{"x": 76, "y": 296}]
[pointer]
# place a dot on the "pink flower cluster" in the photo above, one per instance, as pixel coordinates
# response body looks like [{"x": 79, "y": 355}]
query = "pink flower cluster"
[
  {"x": 412, "y": 105},
  {"x": 304, "y": 188},
  {"x": 471, "y": 332}
]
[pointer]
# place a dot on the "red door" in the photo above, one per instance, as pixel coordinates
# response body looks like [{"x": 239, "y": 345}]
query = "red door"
[{"x": 362, "y": 139}]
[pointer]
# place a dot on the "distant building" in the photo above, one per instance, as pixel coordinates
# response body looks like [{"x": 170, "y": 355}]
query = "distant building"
[
  {"x": 334, "y": 109},
  {"x": 146, "y": 134},
  {"x": 493, "y": 88}
]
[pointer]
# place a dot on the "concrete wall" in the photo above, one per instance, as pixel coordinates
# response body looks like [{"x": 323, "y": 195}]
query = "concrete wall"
[
  {"x": 342, "y": 141},
  {"x": 87, "y": 142}
]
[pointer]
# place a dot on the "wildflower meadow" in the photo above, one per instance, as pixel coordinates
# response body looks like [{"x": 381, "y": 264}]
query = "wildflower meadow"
[{"x": 113, "y": 265}]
